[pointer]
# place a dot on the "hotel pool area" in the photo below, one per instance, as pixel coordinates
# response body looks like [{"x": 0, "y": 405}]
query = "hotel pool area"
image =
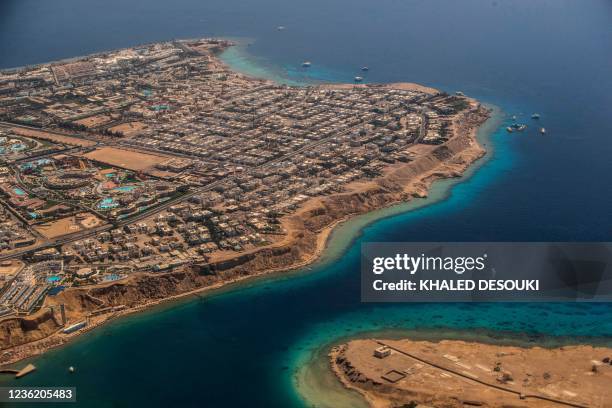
[
  {"x": 19, "y": 191},
  {"x": 107, "y": 203},
  {"x": 125, "y": 189},
  {"x": 53, "y": 279},
  {"x": 14, "y": 148},
  {"x": 34, "y": 164}
]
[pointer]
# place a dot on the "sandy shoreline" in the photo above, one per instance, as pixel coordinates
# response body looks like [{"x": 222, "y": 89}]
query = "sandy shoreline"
[{"x": 309, "y": 231}]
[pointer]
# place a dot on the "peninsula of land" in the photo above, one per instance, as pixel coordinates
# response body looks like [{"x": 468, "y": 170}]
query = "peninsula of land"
[
  {"x": 141, "y": 175},
  {"x": 452, "y": 373}
]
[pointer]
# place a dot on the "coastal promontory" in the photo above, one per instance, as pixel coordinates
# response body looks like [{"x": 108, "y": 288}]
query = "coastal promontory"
[{"x": 136, "y": 176}]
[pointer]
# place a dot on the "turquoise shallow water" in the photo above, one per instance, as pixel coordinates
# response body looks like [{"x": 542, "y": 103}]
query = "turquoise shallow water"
[{"x": 263, "y": 342}]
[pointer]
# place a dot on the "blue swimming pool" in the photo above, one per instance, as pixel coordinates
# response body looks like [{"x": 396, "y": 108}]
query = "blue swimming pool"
[
  {"x": 124, "y": 188},
  {"x": 19, "y": 191},
  {"x": 107, "y": 203}
]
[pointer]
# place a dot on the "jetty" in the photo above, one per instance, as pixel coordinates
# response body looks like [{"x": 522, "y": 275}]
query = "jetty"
[{"x": 19, "y": 373}]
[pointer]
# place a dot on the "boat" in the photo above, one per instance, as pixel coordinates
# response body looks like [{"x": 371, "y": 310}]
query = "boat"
[
  {"x": 364, "y": 69},
  {"x": 542, "y": 131},
  {"x": 306, "y": 64},
  {"x": 513, "y": 117},
  {"x": 535, "y": 116},
  {"x": 459, "y": 93},
  {"x": 519, "y": 127},
  {"x": 71, "y": 369},
  {"x": 358, "y": 79},
  {"x": 280, "y": 28}
]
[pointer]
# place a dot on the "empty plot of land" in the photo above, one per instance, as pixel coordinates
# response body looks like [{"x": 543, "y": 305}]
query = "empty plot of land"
[
  {"x": 68, "y": 225},
  {"x": 126, "y": 159},
  {"x": 54, "y": 137},
  {"x": 10, "y": 267},
  {"x": 129, "y": 129},
  {"x": 93, "y": 121}
]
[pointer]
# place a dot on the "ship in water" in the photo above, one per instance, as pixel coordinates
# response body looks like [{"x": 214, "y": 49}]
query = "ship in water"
[
  {"x": 280, "y": 28},
  {"x": 306, "y": 64},
  {"x": 519, "y": 127},
  {"x": 364, "y": 69},
  {"x": 543, "y": 131},
  {"x": 535, "y": 116},
  {"x": 358, "y": 79}
]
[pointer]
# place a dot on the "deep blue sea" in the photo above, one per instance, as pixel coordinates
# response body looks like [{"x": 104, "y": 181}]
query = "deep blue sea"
[{"x": 259, "y": 344}]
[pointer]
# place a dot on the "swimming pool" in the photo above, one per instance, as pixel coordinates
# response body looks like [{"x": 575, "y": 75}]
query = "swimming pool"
[
  {"x": 19, "y": 191},
  {"x": 107, "y": 203},
  {"x": 125, "y": 189},
  {"x": 111, "y": 277}
]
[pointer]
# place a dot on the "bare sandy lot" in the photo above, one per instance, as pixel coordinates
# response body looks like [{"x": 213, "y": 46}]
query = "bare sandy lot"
[
  {"x": 129, "y": 129},
  {"x": 456, "y": 373},
  {"x": 40, "y": 134},
  {"x": 94, "y": 121},
  {"x": 126, "y": 159},
  {"x": 68, "y": 225},
  {"x": 10, "y": 267}
]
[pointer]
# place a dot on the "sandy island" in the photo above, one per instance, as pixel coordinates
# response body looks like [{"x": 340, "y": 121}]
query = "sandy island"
[{"x": 453, "y": 373}]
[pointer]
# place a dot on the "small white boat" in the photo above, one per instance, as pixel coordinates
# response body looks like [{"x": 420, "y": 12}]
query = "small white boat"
[
  {"x": 71, "y": 369},
  {"x": 535, "y": 116},
  {"x": 306, "y": 64},
  {"x": 459, "y": 93},
  {"x": 542, "y": 131},
  {"x": 509, "y": 129},
  {"x": 358, "y": 79},
  {"x": 280, "y": 28},
  {"x": 364, "y": 69}
]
